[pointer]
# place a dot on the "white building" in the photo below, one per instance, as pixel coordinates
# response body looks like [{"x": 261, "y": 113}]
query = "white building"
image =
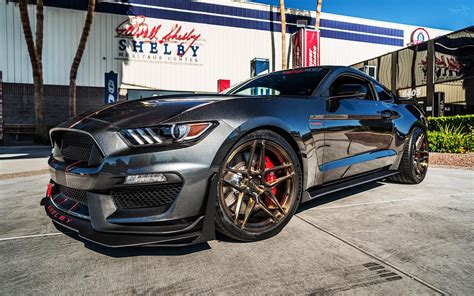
[
  {"x": 226, "y": 36},
  {"x": 142, "y": 42}
]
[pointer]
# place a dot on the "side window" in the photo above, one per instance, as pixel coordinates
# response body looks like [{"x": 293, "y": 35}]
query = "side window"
[
  {"x": 352, "y": 80},
  {"x": 382, "y": 93},
  {"x": 370, "y": 93}
]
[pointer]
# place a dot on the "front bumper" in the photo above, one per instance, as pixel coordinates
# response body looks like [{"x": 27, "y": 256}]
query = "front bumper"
[
  {"x": 99, "y": 218},
  {"x": 97, "y": 230}
]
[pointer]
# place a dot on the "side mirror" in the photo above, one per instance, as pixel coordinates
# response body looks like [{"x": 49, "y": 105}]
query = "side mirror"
[{"x": 350, "y": 91}]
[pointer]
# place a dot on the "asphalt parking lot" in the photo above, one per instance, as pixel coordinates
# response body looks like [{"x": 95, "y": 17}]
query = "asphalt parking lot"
[{"x": 378, "y": 238}]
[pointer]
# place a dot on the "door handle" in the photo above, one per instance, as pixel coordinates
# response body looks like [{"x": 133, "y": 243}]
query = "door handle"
[{"x": 386, "y": 114}]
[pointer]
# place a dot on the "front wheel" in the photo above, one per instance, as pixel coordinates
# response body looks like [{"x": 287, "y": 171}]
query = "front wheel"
[
  {"x": 414, "y": 163},
  {"x": 259, "y": 189}
]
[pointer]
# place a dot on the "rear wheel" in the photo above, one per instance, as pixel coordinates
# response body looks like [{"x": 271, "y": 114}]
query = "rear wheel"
[
  {"x": 414, "y": 163},
  {"x": 259, "y": 187}
]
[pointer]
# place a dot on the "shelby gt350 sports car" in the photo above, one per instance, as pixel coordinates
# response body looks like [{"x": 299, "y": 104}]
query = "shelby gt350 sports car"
[{"x": 172, "y": 170}]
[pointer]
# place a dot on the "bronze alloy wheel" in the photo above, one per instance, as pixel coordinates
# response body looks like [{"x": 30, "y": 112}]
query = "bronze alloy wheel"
[
  {"x": 414, "y": 161},
  {"x": 257, "y": 185},
  {"x": 421, "y": 156}
]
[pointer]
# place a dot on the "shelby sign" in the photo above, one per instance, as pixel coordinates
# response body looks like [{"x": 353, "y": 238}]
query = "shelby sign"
[{"x": 147, "y": 40}]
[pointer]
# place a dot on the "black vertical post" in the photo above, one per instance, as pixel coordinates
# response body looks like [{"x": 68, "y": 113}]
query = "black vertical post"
[
  {"x": 438, "y": 104},
  {"x": 1, "y": 108},
  {"x": 379, "y": 62},
  {"x": 430, "y": 79},
  {"x": 394, "y": 76}
]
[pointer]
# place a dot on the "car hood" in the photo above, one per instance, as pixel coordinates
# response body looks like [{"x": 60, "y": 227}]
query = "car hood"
[{"x": 152, "y": 111}]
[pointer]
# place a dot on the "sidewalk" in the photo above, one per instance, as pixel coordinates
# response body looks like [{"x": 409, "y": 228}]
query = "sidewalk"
[{"x": 24, "y": 160}]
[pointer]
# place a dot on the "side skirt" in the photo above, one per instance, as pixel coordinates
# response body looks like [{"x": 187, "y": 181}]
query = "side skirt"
[{"x": 326, "y": 189}]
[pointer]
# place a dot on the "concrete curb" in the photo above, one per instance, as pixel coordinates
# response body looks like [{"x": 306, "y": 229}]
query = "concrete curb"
[{"x": 23, "y": 174}]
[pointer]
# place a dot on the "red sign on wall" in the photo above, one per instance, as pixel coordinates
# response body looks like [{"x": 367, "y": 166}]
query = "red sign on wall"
[
  {"x": 223, "y": 84},
  {"x": 305, "y": 44},
  {"x": 312, "y": 48}
]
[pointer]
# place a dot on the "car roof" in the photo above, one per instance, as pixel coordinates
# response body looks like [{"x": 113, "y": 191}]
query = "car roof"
[
  {"x": 336, "y": 70},
  {"x": 328, "y": 67}
]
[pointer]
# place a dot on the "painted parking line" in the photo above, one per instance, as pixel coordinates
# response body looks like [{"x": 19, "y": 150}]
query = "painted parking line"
[{"x": 32, "y": 236}]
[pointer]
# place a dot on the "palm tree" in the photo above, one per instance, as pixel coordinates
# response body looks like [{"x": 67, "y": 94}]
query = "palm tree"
[
  {"x": 318, "y": 14},
  {"x": 78, "y": 57},
  {"x": 35, "y": 52},
  {"x": 283, "y": 34}
]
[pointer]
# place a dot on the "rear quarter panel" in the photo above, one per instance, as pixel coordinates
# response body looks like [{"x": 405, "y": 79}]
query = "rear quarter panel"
[{"x": 410, "y": 115}]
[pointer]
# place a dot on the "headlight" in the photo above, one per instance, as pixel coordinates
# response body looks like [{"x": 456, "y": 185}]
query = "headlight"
[{"x": 167, "y": 134}]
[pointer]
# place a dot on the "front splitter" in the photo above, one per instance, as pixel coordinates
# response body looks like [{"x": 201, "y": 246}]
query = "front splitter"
[{"x": 85, "y": 230}]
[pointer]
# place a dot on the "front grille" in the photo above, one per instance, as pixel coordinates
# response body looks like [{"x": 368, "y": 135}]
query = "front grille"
[
  {"x": 74, "y": 194},
  {"x": 78, "y": 147},
  {"x": 146, "y": 197}
]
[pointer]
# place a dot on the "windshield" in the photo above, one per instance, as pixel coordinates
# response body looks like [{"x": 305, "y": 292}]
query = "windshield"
[{"x": 299, "y": 82}]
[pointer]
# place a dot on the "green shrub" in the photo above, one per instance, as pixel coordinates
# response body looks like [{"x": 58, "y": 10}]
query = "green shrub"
[
  {"x": 466, "y": 122},
  {"x": 451, "y": 139}
]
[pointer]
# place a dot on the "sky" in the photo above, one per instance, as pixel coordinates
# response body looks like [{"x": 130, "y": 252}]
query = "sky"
[{"x": 440, "y": 14}]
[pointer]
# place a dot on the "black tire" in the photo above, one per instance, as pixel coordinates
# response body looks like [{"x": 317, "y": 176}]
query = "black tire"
[
  {"x": 226, "y": 225},
  {"x": 410, "y": 173}
]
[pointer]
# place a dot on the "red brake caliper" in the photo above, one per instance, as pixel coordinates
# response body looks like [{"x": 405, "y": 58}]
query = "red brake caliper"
[{"x": 270, "y": 177}]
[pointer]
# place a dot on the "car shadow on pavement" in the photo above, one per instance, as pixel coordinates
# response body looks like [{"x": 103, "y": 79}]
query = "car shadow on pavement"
[
  {"x": 146, "y": 250},
  {"x": 135, "y": 251},
  {"x": 318, "y": 201},
  {"x": 184, "y": 250}
]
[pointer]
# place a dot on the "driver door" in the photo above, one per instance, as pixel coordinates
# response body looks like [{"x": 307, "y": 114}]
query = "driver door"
[{"x": 357, "y": 133}]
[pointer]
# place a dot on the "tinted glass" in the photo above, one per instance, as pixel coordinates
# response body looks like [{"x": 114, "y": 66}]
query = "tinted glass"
[
  {"x": 382, "y": 93},
  {"x": 351, "y": 80},
  {"x": 287, "y": 83}
]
